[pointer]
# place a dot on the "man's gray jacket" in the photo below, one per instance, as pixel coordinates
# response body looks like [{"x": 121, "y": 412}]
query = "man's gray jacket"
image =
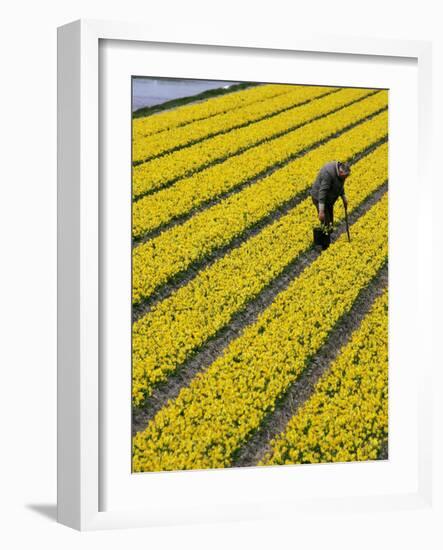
[{"x": 328, "y": 186}]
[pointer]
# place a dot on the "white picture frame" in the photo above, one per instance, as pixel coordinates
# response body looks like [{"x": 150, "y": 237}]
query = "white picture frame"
[{"x": 80, "y": 414}]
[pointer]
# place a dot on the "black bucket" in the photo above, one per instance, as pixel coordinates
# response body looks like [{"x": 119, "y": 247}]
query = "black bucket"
[{"x": 322, "y": 238}]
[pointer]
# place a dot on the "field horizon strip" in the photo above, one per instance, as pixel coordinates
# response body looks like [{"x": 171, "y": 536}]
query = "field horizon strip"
[
  {"x": 202, "y": 162},
  {"x": 162, "y": 339},
  {"x": 175, "y": 250},
  {"x": 186, "y": 114},
  {"x": 147, "y": 147},
  {"x": 222, "y": 406},
  {"x": 346, "y": 417}
]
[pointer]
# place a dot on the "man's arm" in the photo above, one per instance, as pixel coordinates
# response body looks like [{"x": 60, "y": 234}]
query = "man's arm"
[{"x": 325, "y": 185}]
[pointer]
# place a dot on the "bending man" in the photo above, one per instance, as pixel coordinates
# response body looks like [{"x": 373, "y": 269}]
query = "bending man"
[{"x": 328, "y": 186}]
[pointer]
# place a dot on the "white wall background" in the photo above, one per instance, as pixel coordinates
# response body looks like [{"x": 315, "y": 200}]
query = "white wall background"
[{"x": 28, "y": 263}]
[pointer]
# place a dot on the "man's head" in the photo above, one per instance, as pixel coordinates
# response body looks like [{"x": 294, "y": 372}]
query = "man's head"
[{"x": 343, "y": 169}]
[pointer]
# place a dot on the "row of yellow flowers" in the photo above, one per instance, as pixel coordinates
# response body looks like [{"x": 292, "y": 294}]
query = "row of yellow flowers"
[
  {"x": 250, "y": 159},
  {"x": 145, "y": 126},
  {"x": 218, "y": 411},
  {"x": 166, "y": 336},
  {"x": 347, "y": 416},
  {"x": 157, "y": 260},
  {"x": 152, "y": 211},
  {"x": 147, "y": 147}
]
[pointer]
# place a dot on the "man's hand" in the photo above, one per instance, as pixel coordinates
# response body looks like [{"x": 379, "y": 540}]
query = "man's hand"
[
  {"x": 321, "y": 215},
  {"x": 345, "y": 201}
]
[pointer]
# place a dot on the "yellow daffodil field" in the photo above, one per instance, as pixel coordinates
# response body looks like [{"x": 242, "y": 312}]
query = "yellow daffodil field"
[{"x": 252, "y": 346}]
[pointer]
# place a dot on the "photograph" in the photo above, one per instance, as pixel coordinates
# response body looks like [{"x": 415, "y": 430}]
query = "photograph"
[
  {"x": 259, "y": 274},
  {"x": 222, "y": 302}
]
